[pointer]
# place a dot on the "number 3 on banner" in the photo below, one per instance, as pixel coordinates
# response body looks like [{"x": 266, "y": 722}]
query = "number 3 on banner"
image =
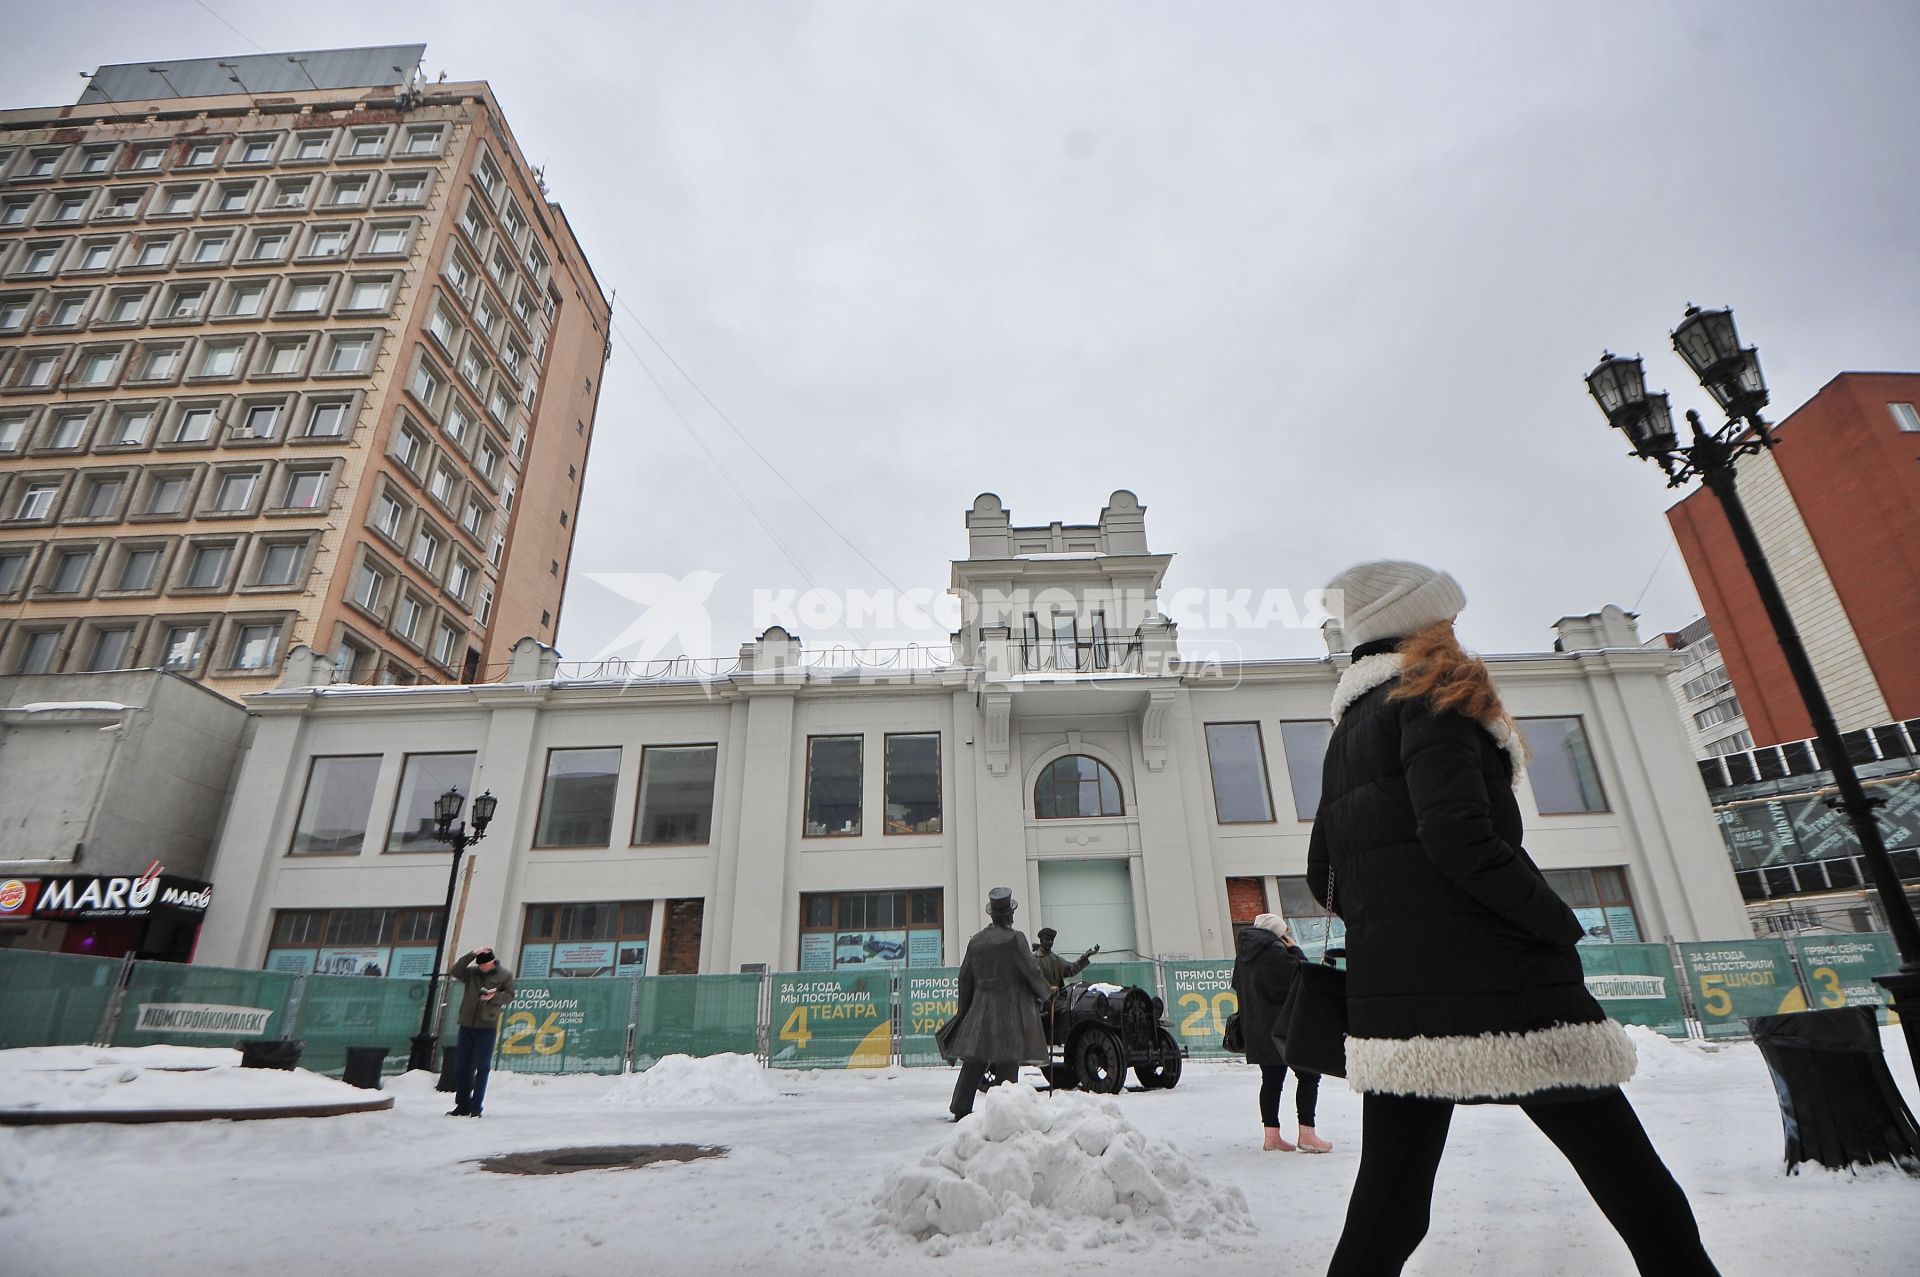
[
  {"x": 795, "y": 1029},
  {"x": 1830, "y": 992}
]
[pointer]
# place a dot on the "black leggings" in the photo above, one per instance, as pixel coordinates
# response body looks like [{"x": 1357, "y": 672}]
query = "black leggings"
[
  {"x": 1273, "y": 1077},
  {"x": 1401, "y": 1140}
]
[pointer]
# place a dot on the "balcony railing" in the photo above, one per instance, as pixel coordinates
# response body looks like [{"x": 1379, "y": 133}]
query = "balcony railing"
[{"x": 1110, "y": 655}]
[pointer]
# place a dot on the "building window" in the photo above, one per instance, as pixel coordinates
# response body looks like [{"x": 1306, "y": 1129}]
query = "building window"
[
  {"x": 1561, "y": 770},
  {"x": 1305, "y": 745},
  {"x": 306, "y": 298},
  {"x": 260, "y": 422},
  {"x": 423, "y": 778},
  {"x": 406, "y": 618},
  {"x": 357, "y": 942},
  {"x": 1905, "y": 417},
  {"x": 97, "y": 367},
  {"x": 582, "y": 941},
  {"x": 1076, "y": 787},
  {"x": 13, "y": 431},
  {"x": 235, "y": 492},
  {"x": 268, "y": 246},
  {"x": 285, "y": 355},
  {"x": 305, "y": 489},
  {"x": 327, "y": 420},
  {"x": 676, "y": 794},
  {"x": 335, "y": 808},
  {"x": 37, "y": 652},
  {"x": 36, "y": 501},
  {"x": 103, "y": 497},
  {"x": 459, "y": 579},
  {"x": 1722, "y": 712},
  {"x": 39, "y": 370},
  {"x": 833, "y": 786},
  {"x": 1238, "y": 760},
  {"x": 196, "y": 426},
  {"x": 139, "y": 570},
  {"x": 407, "y": 449},
  {"x": 69, "y": 430},
  {"x": 311, "y": 146},
  {"x": 576, "y": 804},
  {"x": 254, "y": 646},
  {"x": 426, "y": 549},
  {"x": 1312, "y": 929},
  {"x": 207, "y": 569},
  {"x": 368, "y": 294},
  {"x": 367, "y": 587},
  {"x": 128, "y": 426},
  {"x": 245, "y": 299},
  {"x": 446, "y": 644},
  {"x": 184, "y": 647},
  {"x": 349, "y": 354},
  {"x": 278, "y": 563},
  {"x": 110, "y": 648},
  {"x": 70, "y": 571},
  {"x": 221, "y": 359},
  {"x": 391, "y": 513},
  {"x": 168, "y": 494},
  {"x": 388, "y": 239},
  {"x": 13, "y": 570},
  {"x": 913, "y": 783},
  {"x": 870, "y": 929},
  {"x": 1601, "y": 901}
]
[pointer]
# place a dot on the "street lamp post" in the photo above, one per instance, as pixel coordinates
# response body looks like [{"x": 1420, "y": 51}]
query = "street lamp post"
[
  {"x": 1710, "y": 345},
  {"x": 446, "y": 810}
]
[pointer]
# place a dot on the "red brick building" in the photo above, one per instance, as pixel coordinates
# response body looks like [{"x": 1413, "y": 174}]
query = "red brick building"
[{"x": 1837, "y": 509}]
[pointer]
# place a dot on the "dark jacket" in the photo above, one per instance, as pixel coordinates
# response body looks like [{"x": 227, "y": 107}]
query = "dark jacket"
[
  {"x": 1463, "y": 981},
  {"x": 1263, "y": 978},
  {"x": 1056, "y": 969},
  {"x": 1001, "y": 988},
  {"x": 475, "y": 1012}
]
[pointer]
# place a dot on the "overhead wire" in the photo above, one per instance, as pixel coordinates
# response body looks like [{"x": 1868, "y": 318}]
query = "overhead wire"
[
  {"x": 741, "y": 435},
  {"x": 728, "y": 479}
]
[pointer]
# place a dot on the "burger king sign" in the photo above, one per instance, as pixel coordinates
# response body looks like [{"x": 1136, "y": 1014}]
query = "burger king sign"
[{"x": 17, "y": 896}]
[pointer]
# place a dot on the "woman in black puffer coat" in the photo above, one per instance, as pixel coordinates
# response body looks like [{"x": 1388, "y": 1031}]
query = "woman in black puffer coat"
[
  {"x": 1263, "y": 979},
  {"x": 1463, "y": 982}
]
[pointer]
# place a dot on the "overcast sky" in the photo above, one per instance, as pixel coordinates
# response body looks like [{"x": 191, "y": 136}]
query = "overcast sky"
[{"x": 1319, "y": 282}]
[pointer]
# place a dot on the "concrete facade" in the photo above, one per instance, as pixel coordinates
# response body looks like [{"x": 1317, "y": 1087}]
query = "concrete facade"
[
  {"x": 1136, "y": 839},
  {"x": 104, "y": 774},
  {"x": 310, "y": 367}
]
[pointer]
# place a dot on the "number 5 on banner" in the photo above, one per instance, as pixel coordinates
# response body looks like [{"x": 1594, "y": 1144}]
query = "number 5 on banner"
[{"x": 1714, "y": 998}]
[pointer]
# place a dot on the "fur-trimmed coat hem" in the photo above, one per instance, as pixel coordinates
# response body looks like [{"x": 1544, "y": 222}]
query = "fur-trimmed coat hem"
[{"x": 1493, "y": 1066}]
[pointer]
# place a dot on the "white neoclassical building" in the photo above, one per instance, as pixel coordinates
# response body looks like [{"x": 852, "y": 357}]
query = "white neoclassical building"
[{"x": 805, "y": 813}]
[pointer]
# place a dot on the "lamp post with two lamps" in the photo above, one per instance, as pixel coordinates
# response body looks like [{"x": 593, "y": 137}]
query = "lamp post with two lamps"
[
  {"x": 446, "y": 810},
  {"x": 1711, "y": 347}
]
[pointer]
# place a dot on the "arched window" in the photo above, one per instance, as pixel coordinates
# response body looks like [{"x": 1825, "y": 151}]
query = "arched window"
[{"x": 1076, "y": 786}]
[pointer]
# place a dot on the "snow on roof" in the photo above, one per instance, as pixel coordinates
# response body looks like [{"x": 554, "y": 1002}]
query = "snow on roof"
[{"x": 43, "y": 707}]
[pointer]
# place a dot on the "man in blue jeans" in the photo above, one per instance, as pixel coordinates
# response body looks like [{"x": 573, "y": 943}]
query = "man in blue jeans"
[{"x": 486, "y": 988}]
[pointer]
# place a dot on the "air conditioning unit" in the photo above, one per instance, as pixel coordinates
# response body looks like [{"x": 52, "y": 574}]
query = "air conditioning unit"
[{"x": 289, "y": 201}]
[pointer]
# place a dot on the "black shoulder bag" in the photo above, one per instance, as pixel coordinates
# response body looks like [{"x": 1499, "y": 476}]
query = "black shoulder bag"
[{"x": 1317, "y": 1009}]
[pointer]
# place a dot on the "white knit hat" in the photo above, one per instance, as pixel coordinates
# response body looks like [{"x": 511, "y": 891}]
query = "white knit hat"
[
  {"x": 1271, "y": 922},
  {"x": 1392, "y": 599}
]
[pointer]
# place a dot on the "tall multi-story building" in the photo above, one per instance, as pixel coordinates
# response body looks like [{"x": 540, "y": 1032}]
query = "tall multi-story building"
[
  {"x": 1703, "y": 689},
  {"x": 1836, "y": 507},
  {"x": 293, "y": 350}
]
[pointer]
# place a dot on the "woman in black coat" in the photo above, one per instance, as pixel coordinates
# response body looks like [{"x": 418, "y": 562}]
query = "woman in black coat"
[
  {"x": 1263, "y": 971},
  {"x": 1463, "y": 982}
]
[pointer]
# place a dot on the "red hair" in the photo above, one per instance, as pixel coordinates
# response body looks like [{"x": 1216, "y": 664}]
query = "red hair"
[{"x": 1448, "y": 677}]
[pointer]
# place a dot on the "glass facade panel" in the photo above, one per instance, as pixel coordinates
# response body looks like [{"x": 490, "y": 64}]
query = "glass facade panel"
[
  {"x": 576, "y": 806},
  {"x": 676, "y": 794},
  {"x": 338, "y": 801}
]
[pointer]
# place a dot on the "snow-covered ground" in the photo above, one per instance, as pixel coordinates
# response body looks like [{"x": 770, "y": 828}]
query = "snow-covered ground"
[{"x": 831, "y": 1171}]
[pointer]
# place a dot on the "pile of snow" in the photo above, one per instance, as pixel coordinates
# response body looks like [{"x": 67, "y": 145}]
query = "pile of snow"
[
  {"x": 1662, "y": 1056},
  {"x": 681, "y": 1081},
  {"x": 100, "y": 1079},
  {"x": 1054, "y": 1170}
]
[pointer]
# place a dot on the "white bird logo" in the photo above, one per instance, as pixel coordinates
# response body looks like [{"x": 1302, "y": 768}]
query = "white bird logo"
[{"x": 674, "y": 620}]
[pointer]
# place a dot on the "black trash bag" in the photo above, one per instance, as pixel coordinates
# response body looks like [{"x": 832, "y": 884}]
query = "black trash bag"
[
  {"x": 271, "y": 1053},
  {"x": 1838, "y": 1102}
]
